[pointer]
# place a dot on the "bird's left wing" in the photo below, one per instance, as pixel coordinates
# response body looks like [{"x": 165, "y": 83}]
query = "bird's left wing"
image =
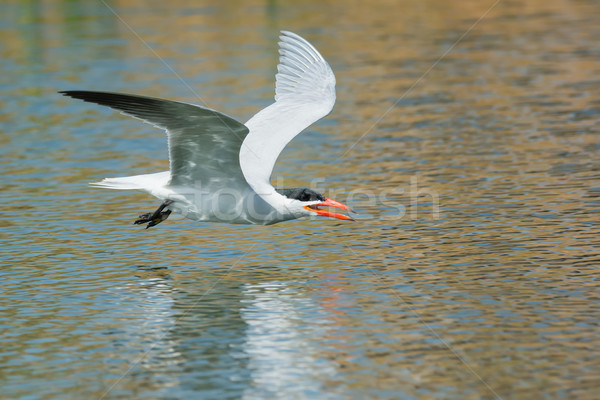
[
  {"x": 304, "y": 93},
  {"x": 204, "y": 144}
]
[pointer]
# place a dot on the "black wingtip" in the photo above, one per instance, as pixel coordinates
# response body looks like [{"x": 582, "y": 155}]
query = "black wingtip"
[
  {"x": 70, "y": 93},
  {"x": 75, "y": 93},
  {"x": 117, "y": 101}
]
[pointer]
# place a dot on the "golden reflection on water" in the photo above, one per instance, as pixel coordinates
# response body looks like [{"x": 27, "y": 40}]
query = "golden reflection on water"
[{"x": 495, "y": 297}]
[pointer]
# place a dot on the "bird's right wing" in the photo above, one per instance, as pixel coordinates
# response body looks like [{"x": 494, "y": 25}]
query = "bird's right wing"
[
  {"x": 204, "y": 144},
  {"x": 304, "y": 93}
]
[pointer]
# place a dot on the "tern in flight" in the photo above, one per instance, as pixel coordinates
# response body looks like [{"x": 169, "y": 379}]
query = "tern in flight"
[{"x": 220, "y": 168}]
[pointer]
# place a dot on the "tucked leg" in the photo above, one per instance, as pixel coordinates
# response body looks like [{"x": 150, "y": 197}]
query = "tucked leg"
[{"x": 156, "y": 217}]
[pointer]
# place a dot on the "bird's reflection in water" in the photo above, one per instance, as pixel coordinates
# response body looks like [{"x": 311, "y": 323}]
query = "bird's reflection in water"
[
  {"x": 283, "y": 361},
  {"x": 190, "y": 330},
  {"x": 155, "y": 319}
]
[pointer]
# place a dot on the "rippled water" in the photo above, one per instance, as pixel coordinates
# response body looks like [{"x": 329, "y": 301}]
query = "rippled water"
[{"x": 473, "y": 161}]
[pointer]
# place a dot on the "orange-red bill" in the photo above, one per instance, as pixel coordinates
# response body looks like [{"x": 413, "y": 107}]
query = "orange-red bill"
[{"x": 330, "y": 203}]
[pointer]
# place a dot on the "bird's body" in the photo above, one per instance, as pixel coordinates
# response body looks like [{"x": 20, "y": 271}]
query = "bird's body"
[
  {"x": 220, "y": 168},
  {"x": 228, "y": 205}
]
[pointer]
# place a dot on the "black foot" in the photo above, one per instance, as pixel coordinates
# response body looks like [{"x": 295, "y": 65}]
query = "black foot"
[
  {"x": 142, "y": 219},
  {"x": 156, "y": 217}
]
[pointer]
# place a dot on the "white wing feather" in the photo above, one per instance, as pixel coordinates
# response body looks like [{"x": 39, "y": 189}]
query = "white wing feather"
[{"x": 304, "y": 93}]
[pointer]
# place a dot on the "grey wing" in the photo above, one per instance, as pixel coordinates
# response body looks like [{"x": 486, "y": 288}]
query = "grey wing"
[{"x": 204, "y": 144}]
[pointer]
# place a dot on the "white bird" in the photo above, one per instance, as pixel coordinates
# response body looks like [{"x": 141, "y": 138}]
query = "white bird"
[{"x": 220, "y": 168}]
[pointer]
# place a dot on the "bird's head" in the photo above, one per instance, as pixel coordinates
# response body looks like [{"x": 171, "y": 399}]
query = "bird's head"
[{"x": 307, "y": 202}]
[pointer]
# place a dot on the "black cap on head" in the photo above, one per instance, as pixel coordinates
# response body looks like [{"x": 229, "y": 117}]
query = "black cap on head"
[{"x": 301, "y": 194}]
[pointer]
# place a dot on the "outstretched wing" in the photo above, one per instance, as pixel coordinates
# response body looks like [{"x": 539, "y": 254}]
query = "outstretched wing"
[
  {"x": 304, "y": 93},
  {"x": 204, "y": 144}
]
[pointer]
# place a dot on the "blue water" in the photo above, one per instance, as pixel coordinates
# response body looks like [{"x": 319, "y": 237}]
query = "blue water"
[{"x": 471, "y": 273}]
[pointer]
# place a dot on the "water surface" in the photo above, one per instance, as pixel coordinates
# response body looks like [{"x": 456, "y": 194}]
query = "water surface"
[{"x": 472, "y": 272}]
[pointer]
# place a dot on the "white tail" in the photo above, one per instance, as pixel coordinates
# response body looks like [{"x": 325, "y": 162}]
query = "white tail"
[{"x": 140, "y": 182}]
